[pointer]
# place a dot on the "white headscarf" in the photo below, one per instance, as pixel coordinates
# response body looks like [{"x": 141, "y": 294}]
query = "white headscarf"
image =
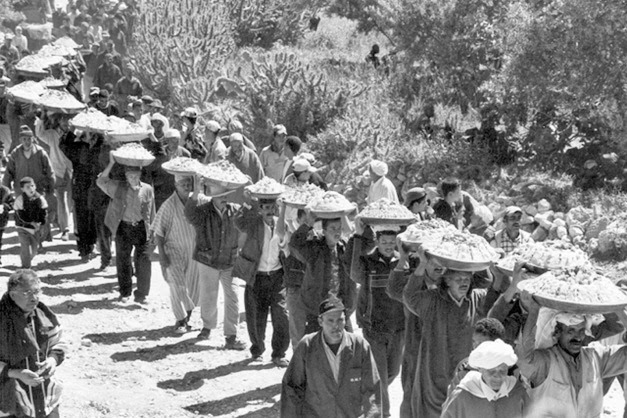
[
  {"x": 548, "y": 318},
  {"x": 491, "y": 354},
  {"x": 379, "y": 167}
]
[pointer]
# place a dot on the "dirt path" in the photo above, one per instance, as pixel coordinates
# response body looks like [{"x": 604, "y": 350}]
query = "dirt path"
[{"x": 126, "y": 362}]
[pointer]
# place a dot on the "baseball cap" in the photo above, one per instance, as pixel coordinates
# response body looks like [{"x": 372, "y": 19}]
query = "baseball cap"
[
  {"x": 511, "y": 210},
  {"x": 414, "y": 194},
  {"x": 332, "y": 304},
  {"x": 214, "y": 126},
  {"x": 301, "y": 165}
]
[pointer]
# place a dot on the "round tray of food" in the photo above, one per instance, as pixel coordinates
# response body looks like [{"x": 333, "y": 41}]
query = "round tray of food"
[
  {"x": 539, "y": 257},
  {"x": 26, "y": 91},
  {"x": 224, "y": 174},
  {"x": 57, "y": 50},
  {"x": 422, "y": 231},
  {"x": 386, "y": 212},
  {"x": 67, "y": 42},
  {"x": 53, "y": 83},
  {"x": 298, "y": 196},
  {"x": 60, "y": 101},
  {"x": 93, "y": 120},
  {"x": 330, "y": 205},
  {"x": 133, "y": 155},
  {"x": 266, "y": 188},
  {"x": 461, "y": 251},
  {"x": 184, "y": 166},
  {"x": 578, "y": 290},
  {"x": 129, "y": 132},
  {"x": 37, "y": 65}
]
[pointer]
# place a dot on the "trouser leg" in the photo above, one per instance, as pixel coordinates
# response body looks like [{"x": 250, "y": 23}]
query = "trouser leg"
[
  {"x": 103, "y": 235},
  {"x": 251, "y": 306},
  {"x": 280, "y": 323},
  {"x": 123, "y": 249},
  {"x": 379, "y": 346},
  {"x": 209, "y": 284},
  {"x": 231, "y": 302},
  {"x": 61, "y": 192},
  {"x": 296, "y": 315},
  {"x": 143, "y": 270},
  {"x": 25, "y": 249},
  {"x": 85, "y": 227}
]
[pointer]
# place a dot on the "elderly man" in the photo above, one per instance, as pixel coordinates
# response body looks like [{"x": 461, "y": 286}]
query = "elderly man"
[
  {"x": 129, "y": 215},
  {"x": 566, "y": 378},
  {"x": 129, "y": 85},
  {"x": 244, "y": 158},
  {"x": 332, "y": 372},
  {"x": 175, "y": 238},
  {"x": 213, "y": 218},
  {"x": 380, "y": 186},
  {"x": 511, "y": 236},
  {"x": 214, "y": 147},
  {"x": 488, "y": 391},
  {"x": 31, "y": 349},
  {"x": 259, "y": 264},
  {"x": 273, "y": 159}
]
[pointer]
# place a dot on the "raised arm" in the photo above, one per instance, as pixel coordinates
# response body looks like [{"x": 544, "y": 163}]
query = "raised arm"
[{"x": 534, "y": 364}]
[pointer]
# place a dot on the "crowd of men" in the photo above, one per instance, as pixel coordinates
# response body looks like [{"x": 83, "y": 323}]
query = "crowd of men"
[{"x": 464, "y": 343}]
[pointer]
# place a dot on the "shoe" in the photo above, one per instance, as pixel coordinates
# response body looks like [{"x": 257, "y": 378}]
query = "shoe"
[
  {"x": 104, "y": 265},
  {"x": 233, "y": 343},
  {"x": 280, "y": 362},
  {"x": 141, "y": 300},
  {"x": 204, "y": 334},
  {"x": 65, "y": 236},
  {"x": 180, "y": 327},
  {"x": 124, "y": 299},
  {"x": 256, "y": 359}
]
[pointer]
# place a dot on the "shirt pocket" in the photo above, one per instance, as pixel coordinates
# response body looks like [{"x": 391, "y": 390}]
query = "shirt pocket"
[{"x": 353, "y": 383}]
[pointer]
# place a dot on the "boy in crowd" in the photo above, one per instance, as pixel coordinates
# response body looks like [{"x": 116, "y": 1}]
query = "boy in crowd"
[
  {"x": 6, "y": 204},
  {"x": 30, "y": 214}
]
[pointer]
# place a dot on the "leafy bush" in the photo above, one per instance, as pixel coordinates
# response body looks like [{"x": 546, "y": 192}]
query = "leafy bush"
[{"x": 277, "y": 87}]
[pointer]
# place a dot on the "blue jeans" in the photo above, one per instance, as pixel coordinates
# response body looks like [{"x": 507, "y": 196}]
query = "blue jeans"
[
  {"x": 267, "y": 294},
  {"x": 128, "y": 237}
]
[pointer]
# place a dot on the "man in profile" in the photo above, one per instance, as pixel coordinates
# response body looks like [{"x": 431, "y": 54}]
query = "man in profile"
[{"x": 332, "y": 372}]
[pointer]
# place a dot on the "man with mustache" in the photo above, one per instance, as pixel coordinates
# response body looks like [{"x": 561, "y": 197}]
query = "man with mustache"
[{"x": 566, "y": 378}]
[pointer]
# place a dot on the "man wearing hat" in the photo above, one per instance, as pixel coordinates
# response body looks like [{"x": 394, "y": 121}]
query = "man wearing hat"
[
  {"x": 104, "y": 104},
  {"x": 9, "y": 51},
  {"x": 129, "y": 216},
  {"x": 146, "y": 111},
  {"x": 173, "y": 149},
  {"x": 215, "y": 148},
  {"x": 417, "y": 202},
  {"x": 108, "y": 72},
  {"x": 259, "y": 264},
  {"x": 332, "y": 372},
  {"x": 213, "y": 217},
  {"x": 565, "y": 373},
  {"x": 129, "y": 85},
  {"x": 272, "y": 158},
  {"x": 29, "y": 160},
  {"x": 511, "y": 236},
  {"x": 380, "y": 186},
  {"x": 301, "y": 173}
]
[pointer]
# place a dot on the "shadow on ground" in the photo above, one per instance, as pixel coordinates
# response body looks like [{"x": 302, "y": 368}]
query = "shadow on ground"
[
  {"x": 119, "y": 337},
  {"x": 194, "y": 380},
  {"x": 86, "y": 290},
  {"x": 74, "y": 308},
  {"x": 160, "y": 352},
  {"x": 231, "y": 404}
]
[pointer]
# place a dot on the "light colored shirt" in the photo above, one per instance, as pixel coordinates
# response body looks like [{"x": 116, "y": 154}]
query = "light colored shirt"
[
  {"x": 269, "y": 260},
  {"x": 273, "y": 163},
  {"x": 382, "y": 188},
  {"x": 334, "y": 359},
  {"x": 20, "y": 42},
  {"x": 51, "y": 137}
]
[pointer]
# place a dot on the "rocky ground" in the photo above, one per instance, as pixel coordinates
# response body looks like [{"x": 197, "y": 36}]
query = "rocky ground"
[{"x": 125, "y": 361}]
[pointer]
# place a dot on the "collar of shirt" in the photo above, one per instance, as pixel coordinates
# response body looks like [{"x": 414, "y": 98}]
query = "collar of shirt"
[
  {"x": 460, "y": 302},
  {"x": 334, "y": 359}
]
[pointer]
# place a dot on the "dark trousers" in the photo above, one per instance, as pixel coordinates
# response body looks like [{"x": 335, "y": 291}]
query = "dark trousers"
[
  {"x": 85, "y": 227},
  {"x": 387, "y": 350},
  {"x": 413, "y": 334},
  {"x": 127, "y": 238},
  {"x": 103, "y": 234},
  {"x": 267, "y": 294},
  {"x": 53, "y": 414}
]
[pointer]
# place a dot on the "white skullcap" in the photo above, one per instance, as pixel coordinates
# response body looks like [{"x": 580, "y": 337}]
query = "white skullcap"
[
  {"x": 173, "y": 133},
  {"x": 236, "y": 137},
  {"x": 381, "y": 228},
  {"x": 308, "y": 156},
  {"x": 179, "y": 177},
  {"x": 491, "y": 354},
  {"x": 213, "y": 126},
  {"x": 301, "y": 165},
  {"x": 379, "y": 167}
]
